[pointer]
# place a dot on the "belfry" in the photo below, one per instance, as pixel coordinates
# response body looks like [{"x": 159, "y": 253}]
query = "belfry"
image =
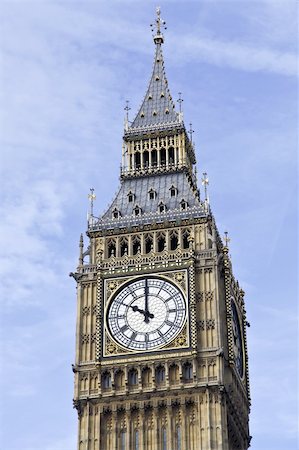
[{"x": 161, "y": 357}]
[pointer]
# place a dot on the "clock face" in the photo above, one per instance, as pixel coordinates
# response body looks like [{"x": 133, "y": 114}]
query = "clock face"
[
  {"x": 237, "y": 339},
  {"x": 146, "y": 314}
]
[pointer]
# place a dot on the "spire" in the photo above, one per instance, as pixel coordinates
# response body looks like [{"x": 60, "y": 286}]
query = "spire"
[{"x": 158, "y": 106}]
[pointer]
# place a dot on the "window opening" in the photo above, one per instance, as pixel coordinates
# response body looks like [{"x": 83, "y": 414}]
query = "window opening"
[
  {"x": 174, "y": 241},
  {"x": 131, "y": 197},
  {"x": 164, "y": 439},
  {"x": 115, "y": 214},
  {"x": 133, "y": 377},
  {"x": 161, "y": 207},
  {"x": 163, "y": 156},
  {"x": 148, "y": 244},
  {"x": 136, "y": 245},
  {"x": 137, "y": 211},
  {"x": 145, "y": 159},
  {"x": 123, "y": 440},
  {"x": 111, "y": 248},
  {"x": 136, "y": 440},
  {"x": 137, "y": 160},
  {"x": 171, "y": 155},
  {"x": 161, "y": 243},
  {"x": 154, "y": 157},
  {"x": 186, "y": 236},
  {"x": 123, "y": 248},
  {"x": 178, "y": 438},
  {"x": 184, "y": 204},
  {"x": 188, "y": 371},
  {"x": 152, "y": 194},
  {"x": 160, "y": 374},
  {"x": 173, "y": 191},
  {"x": 106, "y": 380}
]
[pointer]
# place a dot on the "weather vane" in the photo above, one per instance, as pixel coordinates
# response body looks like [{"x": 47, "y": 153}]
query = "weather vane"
[
  {"x": 205, "y": 183},
  {"x": 127, "y": 109},
  {"x": 226, "y": 239},
  {"x": 180, "y": 101},
  {"x": 91, "y": 198},
  {"x": 156, "y": 28}
]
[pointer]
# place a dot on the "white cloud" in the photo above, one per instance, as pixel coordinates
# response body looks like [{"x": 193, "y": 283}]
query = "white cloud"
[{"x": 243, "y": 56}]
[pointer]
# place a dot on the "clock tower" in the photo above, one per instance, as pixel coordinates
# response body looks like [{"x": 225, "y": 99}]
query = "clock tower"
[{"x": 161, "y": 357}]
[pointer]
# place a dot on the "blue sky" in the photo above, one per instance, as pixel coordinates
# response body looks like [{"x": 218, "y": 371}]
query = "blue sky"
[{"x": 67, "y": 69}]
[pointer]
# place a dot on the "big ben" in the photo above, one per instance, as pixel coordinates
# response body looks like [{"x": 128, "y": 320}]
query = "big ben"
[{"x": 161, "y": 358}]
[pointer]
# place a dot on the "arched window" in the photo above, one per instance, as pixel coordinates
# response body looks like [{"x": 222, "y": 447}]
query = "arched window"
[
  {"x": 123, "y": 247},
  {"x": 119, "y": 379},
  {"x": 137, "y": 160},
  {"x": 136, "y": 245},
  {"x": 171, "y": 155},
  {"x": 133, "y": 377},
  {"x": 111, "y": 248},
  {"x": 131, "y": 197},
  {"x": 148, "y": 243},
  {"x": 173, "y": 373},
  {"x": 137, "y": 211},
  {"x": 160, "y": 374},
  {"x": 123, "y": 440},
  {"x": 146, "y": 376},
  {"x": 163, "y": 156},
  {"x": 161, "y": 241},
  {"x": 174, "y": 241},
  {"x": 173, "y": 191},
  {"x": 106, "y": 380},
  {"x": 115, "y": 213},
  {"x": 145, "y": 159},
  {"x": 154, "y": 158},
  {"x": 161, "y": 207},
  {"x": 164, "y": 439},
  {"x": 178, "y": 438},
  {"x": 187, "y": 371},
  {"x": 184, "y": 205},
  {"x": 152, "y": 194},
  {"x": 136, "y": 440},
  {"x": 186, "y": 236}
]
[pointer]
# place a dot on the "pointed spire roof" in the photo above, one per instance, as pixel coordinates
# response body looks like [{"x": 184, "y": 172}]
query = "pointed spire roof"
[{"x": 158, "y": 106}]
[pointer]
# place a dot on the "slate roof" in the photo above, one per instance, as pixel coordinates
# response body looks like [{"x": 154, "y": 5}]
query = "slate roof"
[
  {"x": 157, "y": 106},
  {"x": 140, "y": 187}
]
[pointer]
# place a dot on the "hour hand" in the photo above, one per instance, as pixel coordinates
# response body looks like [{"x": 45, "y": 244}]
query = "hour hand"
[{"x": 135, "y": 308}]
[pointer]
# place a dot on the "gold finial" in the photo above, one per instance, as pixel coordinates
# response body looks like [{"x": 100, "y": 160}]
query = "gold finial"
[
  {"x": 91, "y": 198},
  {"x": 205, "y": 183},
  {"x": 226, "y": 239},
  {"x": 156, "y": 28}
]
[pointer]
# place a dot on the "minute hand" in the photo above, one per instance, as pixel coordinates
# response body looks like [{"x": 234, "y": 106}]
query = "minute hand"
[{"x": 147, "y": 314}]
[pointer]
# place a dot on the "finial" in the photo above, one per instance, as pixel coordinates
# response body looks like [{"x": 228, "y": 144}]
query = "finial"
[
  {"x": 180, "y": 101},
  {"x": 91, "y": 198},
  {"x": 81, "y": 244},
  {"x": 190, "y": 131},
  {"x": 127, "y": 109},
  {"x": 205, "y": 183},
  {"x": 226, "y": 239},
  {"x": 156, "y": 28}
]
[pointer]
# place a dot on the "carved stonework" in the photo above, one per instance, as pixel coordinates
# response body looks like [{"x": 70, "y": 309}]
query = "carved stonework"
[{"x": 180, "y": 341}]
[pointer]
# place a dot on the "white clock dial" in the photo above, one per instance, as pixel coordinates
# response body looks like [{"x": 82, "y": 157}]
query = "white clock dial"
[{"x": 146, "y": 314}]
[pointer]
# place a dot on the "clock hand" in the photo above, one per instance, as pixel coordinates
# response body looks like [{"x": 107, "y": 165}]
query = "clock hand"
[
  {"x": 135, "y": 308},
  {"x": 146, "y": 315}
]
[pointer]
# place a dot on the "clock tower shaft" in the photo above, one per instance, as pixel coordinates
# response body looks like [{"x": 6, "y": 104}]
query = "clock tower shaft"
[{"x": 189, "y": 389}]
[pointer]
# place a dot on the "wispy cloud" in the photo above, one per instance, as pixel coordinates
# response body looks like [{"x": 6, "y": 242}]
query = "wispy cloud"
[{"x": 235, "y": 55}]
